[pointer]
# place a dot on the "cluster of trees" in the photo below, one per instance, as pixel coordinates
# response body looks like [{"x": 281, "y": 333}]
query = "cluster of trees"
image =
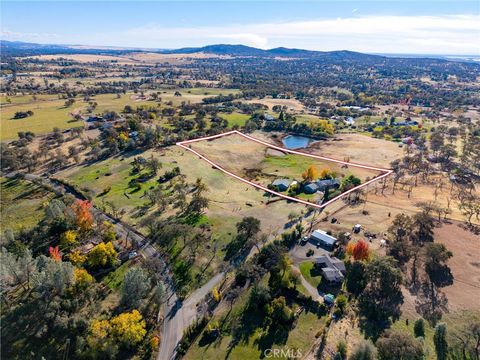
[
  {"x": 179, "y": 235},
  {"x": 22, "y": 114},
  {"x": 424, "y": 161},
  {"x": 49, "y": 287},
  {"x": 269, "y": 306},
  {"x": 412, "y": 244}
]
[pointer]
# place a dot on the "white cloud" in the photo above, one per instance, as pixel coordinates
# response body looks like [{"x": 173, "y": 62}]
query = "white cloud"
[
  {"x": 447, "y": 34},
  {"x": 396, "y": 34}
]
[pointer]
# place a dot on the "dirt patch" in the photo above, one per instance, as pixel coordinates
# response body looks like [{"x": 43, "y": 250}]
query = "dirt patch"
[
  {"x": 358, "y": 148},
  {"x": 465, "y": 246},
  {"x": 274, "y": 152}
]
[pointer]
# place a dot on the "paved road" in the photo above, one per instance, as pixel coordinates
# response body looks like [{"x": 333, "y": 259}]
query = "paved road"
[{"x": 179, "y": 316}]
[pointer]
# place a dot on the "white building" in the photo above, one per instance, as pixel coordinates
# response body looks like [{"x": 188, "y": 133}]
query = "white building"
[{"x": 321, "y": 238}]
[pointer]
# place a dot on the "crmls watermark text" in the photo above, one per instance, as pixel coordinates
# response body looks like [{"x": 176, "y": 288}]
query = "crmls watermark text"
[{"x": 283, "y": 353}]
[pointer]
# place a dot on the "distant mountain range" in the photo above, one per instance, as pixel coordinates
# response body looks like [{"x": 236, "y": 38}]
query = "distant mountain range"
[{"x": 17, "y": 48}]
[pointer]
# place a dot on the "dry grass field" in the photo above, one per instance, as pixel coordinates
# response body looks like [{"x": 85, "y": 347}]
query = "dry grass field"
[
  {"x": 261, "y": 164},
  {"x": 289, "y": 103},
  {"x": 230, "y": 200},
  {"x": 137, "y": 58},
  {"x": 359, "y": 148}
]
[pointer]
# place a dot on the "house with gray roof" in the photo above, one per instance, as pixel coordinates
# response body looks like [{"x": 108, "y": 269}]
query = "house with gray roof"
[
  {"x": 333, "y": 269},
  {"x": 327, "y": 183},
  {"x": 311, "y": 188},
  {"x": 281, "y": 184}
]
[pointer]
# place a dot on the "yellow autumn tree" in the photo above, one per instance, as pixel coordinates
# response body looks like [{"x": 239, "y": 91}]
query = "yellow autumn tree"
[
  {"x": 99, "y": 335},
  {"x": 77, "y": 258},
  {"x": 82, "y": 278},
  {"x": 310, "y": 174},
  {"x": 129, "y": 328},
  {"x": 123, "y": 137},
  {"x": 327, "y": 173},
  {"x": 104, "y": 254},
  {"x": 216, "y": 294},
  {"x": 154, "y": 341},
  {"x": 69, "y": 239}
]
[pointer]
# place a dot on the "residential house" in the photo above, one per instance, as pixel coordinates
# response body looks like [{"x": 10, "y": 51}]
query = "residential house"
[
  {"x": 329, "y": 184},
  {"x": 311, "y": 188},
  {"x": 333, "y": 269},
  {"x": 281, "y": 184}
]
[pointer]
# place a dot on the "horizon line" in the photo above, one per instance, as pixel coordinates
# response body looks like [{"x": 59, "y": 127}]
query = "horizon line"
[{"x": 145, "y": 49}]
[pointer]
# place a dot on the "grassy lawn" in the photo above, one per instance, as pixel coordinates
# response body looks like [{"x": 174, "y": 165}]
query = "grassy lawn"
[
  {"x": 24, "y": 99},
  {"x": 110, "y": 102},
  {"x": 310, "y": 274},
  {"x": 293, "y": 166},
  {"x": 50, "y": 112},
  {"x": 46, "y": 116},
  {"x": 307, "y": 119},
  {"x": 22, "y": 203},
  {"x": 115, "y": 278},
  {"x": 113, "y": 173},
  {"x": 235, "y": 119}
]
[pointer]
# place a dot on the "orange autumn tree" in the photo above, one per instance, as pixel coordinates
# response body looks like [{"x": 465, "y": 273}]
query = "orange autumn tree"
[
  {"x": 310, "y": 174},
  {"x": 83, "y": 216},
  {"x": 55, "y": 253},
  {"x": 359, "y": 250}
]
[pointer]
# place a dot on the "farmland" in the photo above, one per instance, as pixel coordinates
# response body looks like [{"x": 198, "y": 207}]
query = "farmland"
[
  {"x": 112, "y": 218},
  {"x": 22, "y": 203},
  {"x": 50, "y": 111}
]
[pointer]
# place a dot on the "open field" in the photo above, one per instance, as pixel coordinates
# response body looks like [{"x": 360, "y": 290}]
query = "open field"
[
  {"x": 358, "y": 148},
  {"x": 260, "y": 164},
  {"x": 46, "y": 116},
  {"x": 291, "y": 104},
  {"x": 22, "y": 203},
  {"x": 235, "y": 119},
  {"x": 465, "y": 268},
  {"x": 230, "y": 200},
  {"x": 49, "y": 111},
  {"x": 140, "y": 58}
]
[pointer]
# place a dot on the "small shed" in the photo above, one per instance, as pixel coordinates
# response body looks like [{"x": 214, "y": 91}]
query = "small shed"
[{"x": 329, "y": 299}]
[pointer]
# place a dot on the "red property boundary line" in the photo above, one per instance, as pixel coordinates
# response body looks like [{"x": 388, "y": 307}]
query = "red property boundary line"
[{"x": 184, "y": 145}]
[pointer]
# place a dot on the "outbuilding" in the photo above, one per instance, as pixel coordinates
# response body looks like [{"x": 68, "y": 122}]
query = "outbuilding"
[{"x": 321, "y": 238}]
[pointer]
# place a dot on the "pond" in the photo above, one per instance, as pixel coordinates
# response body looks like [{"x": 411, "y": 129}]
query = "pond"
[{"x": 296, "y": 141}]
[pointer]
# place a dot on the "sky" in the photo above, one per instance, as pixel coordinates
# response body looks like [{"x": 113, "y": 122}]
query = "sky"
[{"x": 446, "y": 27}]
